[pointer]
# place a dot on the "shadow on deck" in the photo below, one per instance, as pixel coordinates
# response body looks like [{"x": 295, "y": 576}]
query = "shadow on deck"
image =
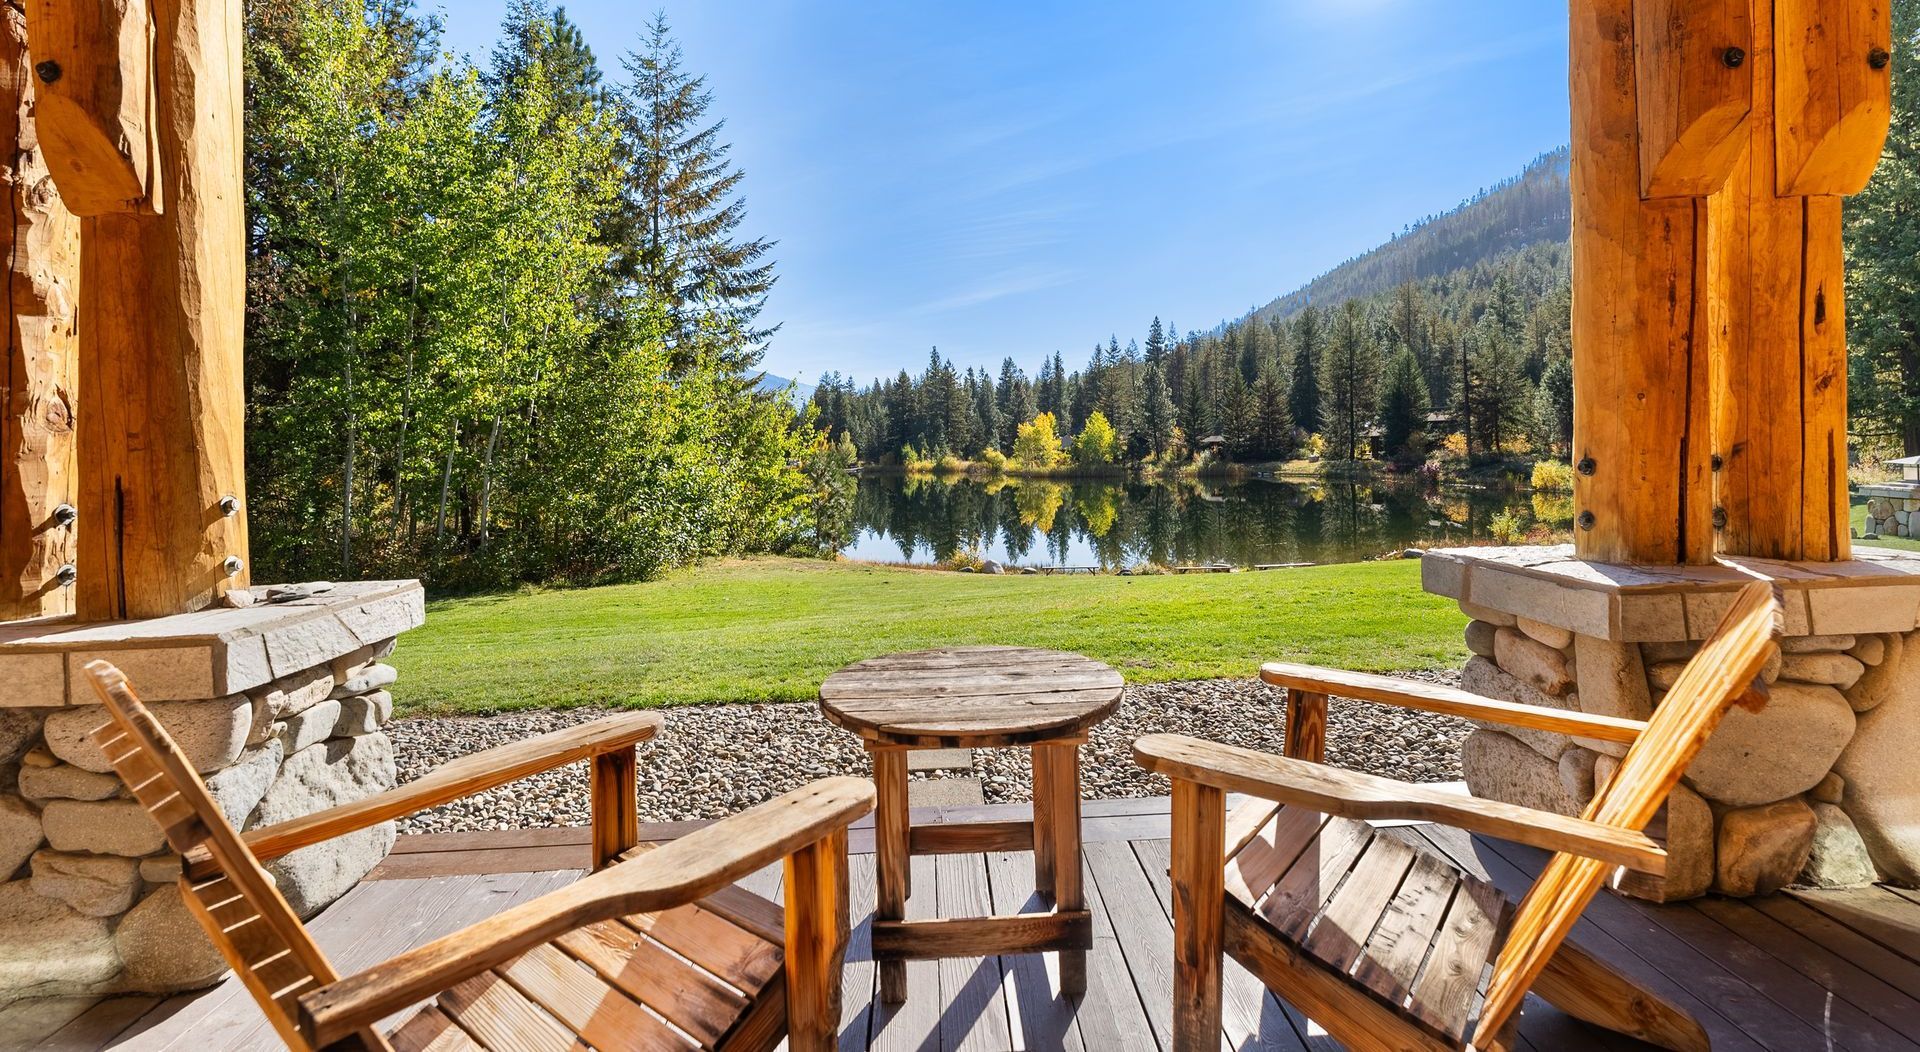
[{"x": 1802, "y": 970}]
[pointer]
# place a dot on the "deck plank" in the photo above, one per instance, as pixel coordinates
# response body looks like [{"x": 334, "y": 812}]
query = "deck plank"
[
  {"x": 1145, "y": 936},
  {"x": 860, "y": 975},
  {"x": 1041, "y": 1017},
  {"x": 973, "y": 1006},
  {"x": 1112, "y": 1015},
  {"x": 914, "y": 1026}
]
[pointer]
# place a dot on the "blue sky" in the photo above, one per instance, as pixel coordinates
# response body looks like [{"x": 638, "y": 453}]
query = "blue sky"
[{"x": 1019, "y": 177}]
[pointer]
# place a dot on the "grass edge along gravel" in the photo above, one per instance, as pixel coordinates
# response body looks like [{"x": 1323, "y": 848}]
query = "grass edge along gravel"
[{"x": 751, "y": 630}]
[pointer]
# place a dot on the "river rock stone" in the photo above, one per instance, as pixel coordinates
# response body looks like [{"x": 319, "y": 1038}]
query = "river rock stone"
[
  {"x": 67, "y": 782},
  {"x": 1657, "y": 653},
  {"x": 1684, "y": 824},
  {"x": 96, "y": 885},
  {"x": 366, "y": 680},
  {"x": 210, "y": 733},
  {"x": 290, "y": 694},
  {"x": 1761, "y": 849},
  {"x": 1613, "y": 682},
  {"x": 47, "y": 948},
  {"x": 338, "y": 771},
  {"x": 364, "y": 715},
  {"x": 1831, "y": 790},
  {"x": 308, "y": 727},
  {"x": 240, "y": 788},
  {"x": 19, "y": 729},
  {"x": 1835, "y": 670},
  {"x": 1552, "y": 635},
  {"x": 1500, "y": 767},
  {"x": 20, "y": 834},
  {"x": 161, "y": 869},
  {"x": 1664, "y": 675},
  {"x": 1782, "y": 750},
  {"x": 1496, "y": 618},
  {"x": 1838, "y": 858},
  {"x": 1869, "y": 651},
  {"x": 1878, "y": 683},
  {"x": 1883, "y": 777},
  {"x": 1816, "y": 644},
  {"x": 1480, "y": 637},
  {"x": 1576, "y": 774},
  {"x": 109, "y": 827},
  {"x": 1532, "y": 662},
  {"x": 1484, "y": 678},
  {"x": 164, "y": 946}
]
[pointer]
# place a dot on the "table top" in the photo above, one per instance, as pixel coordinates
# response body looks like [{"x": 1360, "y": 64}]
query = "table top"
[{"x": 971, "y": 697}]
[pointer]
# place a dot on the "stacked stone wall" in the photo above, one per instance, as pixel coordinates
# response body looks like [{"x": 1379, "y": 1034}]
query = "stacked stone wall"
[{"x": 1807, "y": 788}]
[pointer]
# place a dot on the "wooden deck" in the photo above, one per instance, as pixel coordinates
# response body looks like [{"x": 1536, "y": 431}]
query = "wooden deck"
[{"x": 1807, "y": 970}]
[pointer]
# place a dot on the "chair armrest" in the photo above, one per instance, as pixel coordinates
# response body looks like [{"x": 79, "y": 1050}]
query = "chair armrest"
[
  {"x": 672, "y": 874},
  {"x": 1350, "y": 794},
  {"x": 1410, "y": 694},
  {"x": 451, "y": 781}
]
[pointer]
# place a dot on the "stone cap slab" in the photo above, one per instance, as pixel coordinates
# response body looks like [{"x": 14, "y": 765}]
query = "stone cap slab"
[
  {"x": 1895, "y": 490},
  {"x": 1876, "y": 591},
  {"x": 208, "y": 654}
]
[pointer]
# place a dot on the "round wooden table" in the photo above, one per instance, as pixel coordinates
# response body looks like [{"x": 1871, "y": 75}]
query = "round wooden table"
[{"x": 974, "y": 698}]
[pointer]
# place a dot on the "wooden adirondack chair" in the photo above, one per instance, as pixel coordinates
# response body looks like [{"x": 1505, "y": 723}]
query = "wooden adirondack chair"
[
  {"x": 717, "y": 967},
  {"x": 1385, "y": 946}
]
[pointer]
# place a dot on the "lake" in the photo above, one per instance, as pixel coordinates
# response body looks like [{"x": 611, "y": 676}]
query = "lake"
[{"x": 1116, "y": 523}]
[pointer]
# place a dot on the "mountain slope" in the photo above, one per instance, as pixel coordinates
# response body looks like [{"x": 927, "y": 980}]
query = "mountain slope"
[{"x": 1533, "y": 207}]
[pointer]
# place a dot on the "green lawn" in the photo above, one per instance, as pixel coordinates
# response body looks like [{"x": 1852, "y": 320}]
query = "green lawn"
[
  {"x": 1885, "y": 541},
  {"x": 771, "y": 629}
]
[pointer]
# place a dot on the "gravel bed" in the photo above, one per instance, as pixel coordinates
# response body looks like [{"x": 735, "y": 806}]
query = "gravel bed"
[{"x": 713, "y": 760}]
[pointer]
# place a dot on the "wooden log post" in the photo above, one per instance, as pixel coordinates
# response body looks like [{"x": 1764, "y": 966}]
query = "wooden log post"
[
  {"x": 1822, "y": 98},
  {"x": 611, "y": 784},
  {"x": 1659, "y": 100},
  {"x": 37, "y": 472},
  {"x": 816, "y": 942},
  {"x": 140, "y": 117},
  {"x": 1305, "y": 737}
]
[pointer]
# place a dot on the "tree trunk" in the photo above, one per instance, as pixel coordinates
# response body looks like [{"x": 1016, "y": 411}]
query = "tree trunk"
[{"x": 37, "y": 425}]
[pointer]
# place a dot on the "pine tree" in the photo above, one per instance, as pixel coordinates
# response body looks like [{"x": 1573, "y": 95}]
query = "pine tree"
[
  {"x": 986, "y": 415},
  {"x": 1157, "y": 412},
  {"x": 1497, "y": 393},
  {"x": 1883, "y": 240},
  {"x": 1272, "y": 436},
  {"x": 1349, "y": 383},
  {"x": 1556, "y": 402},
  {"x": 1403, "y": 404},
  {"x": 1304, "y": 395},
  {"x": 1157, "y": 345},
  {"x": 683, "y": 189}
]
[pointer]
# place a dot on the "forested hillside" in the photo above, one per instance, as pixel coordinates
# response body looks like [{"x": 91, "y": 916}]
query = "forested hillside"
[
  {"x": 1533, "y": 207},
  {"x": 503, "y": 319}
]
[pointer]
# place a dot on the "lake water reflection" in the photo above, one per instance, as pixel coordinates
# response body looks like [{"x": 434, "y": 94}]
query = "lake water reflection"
[{"x": 1114, "y": 523}]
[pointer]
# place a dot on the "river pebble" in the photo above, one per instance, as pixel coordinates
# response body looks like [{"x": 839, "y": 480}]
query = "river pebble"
[{"x": 713, "y": 760}]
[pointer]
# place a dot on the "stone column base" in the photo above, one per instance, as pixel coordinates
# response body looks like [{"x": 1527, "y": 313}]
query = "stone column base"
[
  {"x": 1819, "y": 787},
  {"x": 1893, "y": 509},
  {"x": 281, "y": 708}
]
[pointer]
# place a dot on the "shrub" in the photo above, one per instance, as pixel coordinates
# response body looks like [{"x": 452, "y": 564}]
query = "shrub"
[
  {"x": 964, "y": 560},
  {"x": 948, "y": 464},
  {"x": 1315, "y": 447},
  {"x": 1507, "y": 528},
  {"x": 994, "y": 461},
  {"x": 1455, "y": 445},
  {"x": 1553, "y": 476}
]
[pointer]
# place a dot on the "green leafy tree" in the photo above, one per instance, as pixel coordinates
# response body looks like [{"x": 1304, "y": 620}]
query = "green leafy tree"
[
  {"x": 1037, "y": 447},
  {"x": 1097, "y": 444},
  {"x": 1882, "y": 242}
]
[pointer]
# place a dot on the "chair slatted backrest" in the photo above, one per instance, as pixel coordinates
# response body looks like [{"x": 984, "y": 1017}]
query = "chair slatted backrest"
[
  {"x": 244, "y": 913},
  {"x": 1725, "y": 671}
]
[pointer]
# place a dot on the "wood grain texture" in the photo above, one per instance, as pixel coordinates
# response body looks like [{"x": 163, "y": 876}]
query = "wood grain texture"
[
  {"x": 99, "y": 108},
  {"x": 1833, "y": 105},
  {"x": 1778, "y": 301},
  {"x": 616, "y": 820},
  {"x": 971, "y": 697},
  {"x": 1363, "y": 796},
  {"x": 1432, "y": 697},
  {"x": 1199, "y": 896},
  {"x": 1693, "y": 102},
  {"x": 42, "y": 245},
  {"x": 1306, "y": 732},
  {"x": 1059, "y": 798},
  {"x": 162, "y": 310},
  {"x": 670, "y": 875},
  {"x": 1639, "y": 322},
  {"x": 929, "y": 940},
  {"x": 816, "y": 941},
  {"x": 893, "y": 858}
]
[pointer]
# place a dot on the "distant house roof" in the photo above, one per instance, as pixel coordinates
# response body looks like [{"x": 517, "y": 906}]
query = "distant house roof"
[{"x": 1214, "y": 440}]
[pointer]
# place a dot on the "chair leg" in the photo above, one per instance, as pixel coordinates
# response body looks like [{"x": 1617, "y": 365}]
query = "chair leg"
[
  {"x": 1199, "y": 894},
  {"x": 616, "y": 821},
  {"x": 817, "y": 924},
  {"x": 893, "y": 858},
  {"x": 1589, "y": 989}
]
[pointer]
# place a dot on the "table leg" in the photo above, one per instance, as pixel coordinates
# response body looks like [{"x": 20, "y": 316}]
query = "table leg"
[
  {"x": 1060, "y": 802},
  {"x": 1043, "y": 822},
  {"x": 892, "y": 858}
]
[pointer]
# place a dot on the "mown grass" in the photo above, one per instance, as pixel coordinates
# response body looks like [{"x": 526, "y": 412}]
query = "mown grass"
[{"x": 771, "y": 629}]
